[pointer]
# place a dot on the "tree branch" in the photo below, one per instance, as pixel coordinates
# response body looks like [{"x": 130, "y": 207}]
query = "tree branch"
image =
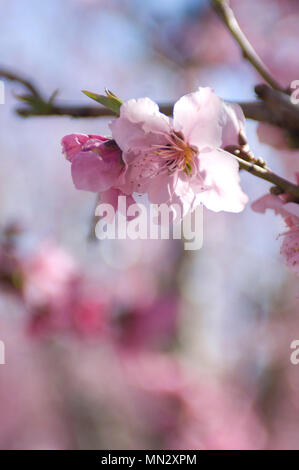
[
  {"x": 273, "y": 107},
  {"x": 13, "y": 77},
  {"x": 79, "y": 111},
  {"x": 268, "y": 175},
  {"x": 285, "y": 113},
  {"x": 227, "y": 16},
  {"x": 37, "y": 105}
]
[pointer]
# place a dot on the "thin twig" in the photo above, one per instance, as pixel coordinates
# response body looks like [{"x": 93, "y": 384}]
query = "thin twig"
[
  {"x": 227, "y": 15},
  {"x": 268, "y": 175},
  {"x": 274, "y": 107},
  {"x": 78, "y": 111},
  {"x": 13, "y": 77},
  {"x": 286, "y": 117},
  {"x": 284, "y": 112}
]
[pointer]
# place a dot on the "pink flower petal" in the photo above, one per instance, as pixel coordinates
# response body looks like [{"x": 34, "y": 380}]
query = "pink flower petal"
[
  {"x": 233, "y": 123},
  {"x": 220, "y": 172},
  {"x": 290, "y": 249},
  {"x": 140, "y": 125},
  {"x": 162, "y": 188},
  {"x": 92, "y": 172},
  {"x": 72, "y": 143},
  {"x": 111, "y": 197},
  {"x": 198, "y": 116},
  {"x": 289, "y": 211}
]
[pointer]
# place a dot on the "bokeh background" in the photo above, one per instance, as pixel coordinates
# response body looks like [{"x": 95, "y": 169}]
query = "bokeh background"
[{"x": 139, "y": 345}]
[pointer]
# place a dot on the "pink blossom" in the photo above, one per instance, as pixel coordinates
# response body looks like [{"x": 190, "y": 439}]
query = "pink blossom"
[
  {"x": 290, "y": 213},
  {"x": 190, "y": 413},
  {"x": 111, "y": 197},
  {"x": 290, "y": 249},
  {"x": 288, "y": 210},
  {"x": 182, "y": 160},
  {"x": 47, "y": 275},
  {"x": 73, "y": 143},
  {"x": 29, "y": 404},
  {"x": 75, "y": 315},
  {"x": 96, "y": 161},
  {"x": 90, "y": 316},
  {"x": 140, "y": 326},
  {"x": 58, "y": 298},
  {"x": 97, "y": 166}
]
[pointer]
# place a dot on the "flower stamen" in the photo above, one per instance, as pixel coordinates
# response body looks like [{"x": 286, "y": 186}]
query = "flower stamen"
[{"x": 179, "y": 155}]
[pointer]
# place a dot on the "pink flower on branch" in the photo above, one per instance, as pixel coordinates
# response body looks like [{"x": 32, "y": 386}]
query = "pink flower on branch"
[
  {"x": 182, "y": 160},
  {"x": 97, "y": 166},
  {"x": 290, "y": 213},
  {"x": 96, "y": 161}
]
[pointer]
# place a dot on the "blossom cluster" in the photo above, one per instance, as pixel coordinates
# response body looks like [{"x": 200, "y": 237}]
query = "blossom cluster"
[{"x": 180, "y": 160}]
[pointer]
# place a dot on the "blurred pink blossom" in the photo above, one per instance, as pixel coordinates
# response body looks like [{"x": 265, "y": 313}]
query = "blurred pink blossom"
[
  {"x": 192, "y": 413},
  {"x": 290, "y": 213},
  {"x": 29, "y": 404},
  {"x": 48, "y": 272},
  {"x": 57, "y": 296},
  {"x": 148, "y": 325}
]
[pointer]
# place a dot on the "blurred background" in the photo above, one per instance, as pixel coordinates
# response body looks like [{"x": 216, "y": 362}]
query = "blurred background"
[{"x": 139, "y": 344}]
